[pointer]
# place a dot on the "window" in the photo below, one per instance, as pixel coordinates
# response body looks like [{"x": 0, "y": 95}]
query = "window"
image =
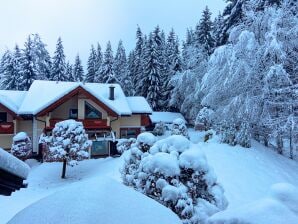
[
  {"x": 3, "y": 117},
  {"x": 91, "y": 112},
  {"x": 73, "y": 113},
  {"x": 129, "y": 132}
]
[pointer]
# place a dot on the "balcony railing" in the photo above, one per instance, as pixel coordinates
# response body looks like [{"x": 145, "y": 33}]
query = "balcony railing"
[
  {"x": 6, "y": 128},
  {"x": 87, "y": 123}
]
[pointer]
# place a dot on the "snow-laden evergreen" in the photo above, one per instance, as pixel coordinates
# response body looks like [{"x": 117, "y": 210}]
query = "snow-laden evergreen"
[
  {"x": 78, "y": 71},
  {"x": 107, "y": 73},
  {"x": 120, "y": 63},
  {"x": 58, "y": 67},
  {"x": 91, "y": 65}
]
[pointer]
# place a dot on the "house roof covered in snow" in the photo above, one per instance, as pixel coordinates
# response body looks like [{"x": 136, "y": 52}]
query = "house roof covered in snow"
[
  {"x": 166, "y": 117},
  {"x": 139, "y": 104},
  {"x": 12, "y": 99},
  {"x": 42, "y": 94}
]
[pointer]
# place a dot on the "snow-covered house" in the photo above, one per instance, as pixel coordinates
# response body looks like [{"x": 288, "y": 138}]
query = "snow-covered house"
[{"x": 100, "y": 107}]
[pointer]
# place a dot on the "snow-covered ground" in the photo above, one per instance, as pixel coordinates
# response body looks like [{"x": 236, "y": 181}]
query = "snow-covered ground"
[{"x": 249, "y": 177}]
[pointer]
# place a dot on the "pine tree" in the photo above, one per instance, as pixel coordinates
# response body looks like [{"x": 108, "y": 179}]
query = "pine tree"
[
  {"x": 137, "y": 68},
  {"x": 29, "y": 71},
  {"x": 152, "y": 72},
  {"x": 7, "y": 76},
  {"x": 120, "y": 64},
  {"x": 91, "y": 66},
  {"x": 98, "y": 64},
  {"x": 203, "y": 33},
  {"x": 107, "y": 74},
  {"x": 173, "y": 64},
  {"x": 42, "y": 58},
  {"x": 78, "y": 71},
  {"x": 128, "y": 86},
  {"x": 69, "y": 72},
  {"x": 58, "y": 68},
  {"x": 217, "y": 29}
]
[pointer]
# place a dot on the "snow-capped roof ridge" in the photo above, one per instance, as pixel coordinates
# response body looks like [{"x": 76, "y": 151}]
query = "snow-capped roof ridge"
[{"x": 43, "y": 93}]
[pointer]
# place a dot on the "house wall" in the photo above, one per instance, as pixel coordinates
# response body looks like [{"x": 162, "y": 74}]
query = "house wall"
[
  {"x": 25, "y": 126},
  {"x": 131, "y": 121},
  {"x": 6, "y": 141},
  {"x": 62, "y": 112}
]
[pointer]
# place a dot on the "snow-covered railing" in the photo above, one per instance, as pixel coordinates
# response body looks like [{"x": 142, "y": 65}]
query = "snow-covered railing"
[{"x": 12, "y": 173}]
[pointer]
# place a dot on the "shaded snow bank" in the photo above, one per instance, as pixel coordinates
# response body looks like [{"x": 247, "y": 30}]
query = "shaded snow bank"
[
  {"x": 280, "y": 206},
  {"x": 97, "y": 200}
]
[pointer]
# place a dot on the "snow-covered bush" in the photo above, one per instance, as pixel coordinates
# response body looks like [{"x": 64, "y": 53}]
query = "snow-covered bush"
[
  {"x": 205, "y": 117},
  {"x": 124, "y": 144},
  {"x": 159, "y": 129},
  {"x": 69, "y": 143},
  {"x": 243, "y": 136},
  {"x": 21, "y": 146},
  {"x": 179, "y": 128},
  {"x": 175, "y": 173},
  {"x": 228, "y": 132},
  {"x": 133, "y": 157}
]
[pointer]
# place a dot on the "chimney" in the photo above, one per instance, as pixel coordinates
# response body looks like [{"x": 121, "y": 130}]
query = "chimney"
[{"x": 112, "y": 92}]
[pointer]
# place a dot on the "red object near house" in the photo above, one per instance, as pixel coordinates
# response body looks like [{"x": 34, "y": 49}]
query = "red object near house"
[
  {"x": 6, "y": 128},
  {"x": 87, "y": 123}
]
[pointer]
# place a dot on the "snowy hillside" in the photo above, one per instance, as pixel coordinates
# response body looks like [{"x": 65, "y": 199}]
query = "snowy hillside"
[{"x": 247, "y": 176}]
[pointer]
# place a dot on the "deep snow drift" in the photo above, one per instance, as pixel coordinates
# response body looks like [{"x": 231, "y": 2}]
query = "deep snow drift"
[{"x": 97, "y": 200}]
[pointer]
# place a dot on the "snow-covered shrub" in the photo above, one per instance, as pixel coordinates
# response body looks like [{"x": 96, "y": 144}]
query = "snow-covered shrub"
[
  {"x": 159, "y": 129},
  {"x": 21, "y": 146},
  {"x": 228, "y": 132},
  {"x": 175, "y": 173},
  {"x": 179, "y": 128},
  {"x": 133, "y": 157},
  {"x": 205, "y": 117},
  {"x": 69, "y": 143},
  {"x": 124, "y": 144},
  {"x": 243, "y": 136}
]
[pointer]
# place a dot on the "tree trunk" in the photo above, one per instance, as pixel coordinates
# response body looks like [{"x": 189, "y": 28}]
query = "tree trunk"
[{"x": 63, "y": 169}]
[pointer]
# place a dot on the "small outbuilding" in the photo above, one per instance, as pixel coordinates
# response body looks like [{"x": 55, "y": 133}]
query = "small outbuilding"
[{"x": 165, "y": 117}]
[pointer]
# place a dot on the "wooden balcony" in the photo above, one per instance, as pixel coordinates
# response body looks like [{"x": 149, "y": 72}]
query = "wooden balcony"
[
  {"x": 6, "y": 128},
  {"x": 87, "y": 123}
]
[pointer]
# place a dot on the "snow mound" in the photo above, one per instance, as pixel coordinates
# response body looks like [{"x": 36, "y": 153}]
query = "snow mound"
[
  {"x": 280, "y": 204},
  {"x": 13, "y": 165},
  {"x": 146, "y": 138},
  {"x": 193, "y": 159},
  {"x": 103, "y": 201},
  {"x": 176, "y": 143},
  {"x": 20, "y": 136},
  {"x": 162, "y": 163}
]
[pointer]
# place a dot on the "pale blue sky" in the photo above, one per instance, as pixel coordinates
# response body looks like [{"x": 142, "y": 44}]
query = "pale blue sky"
[{"x": 81, "y": 23}]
